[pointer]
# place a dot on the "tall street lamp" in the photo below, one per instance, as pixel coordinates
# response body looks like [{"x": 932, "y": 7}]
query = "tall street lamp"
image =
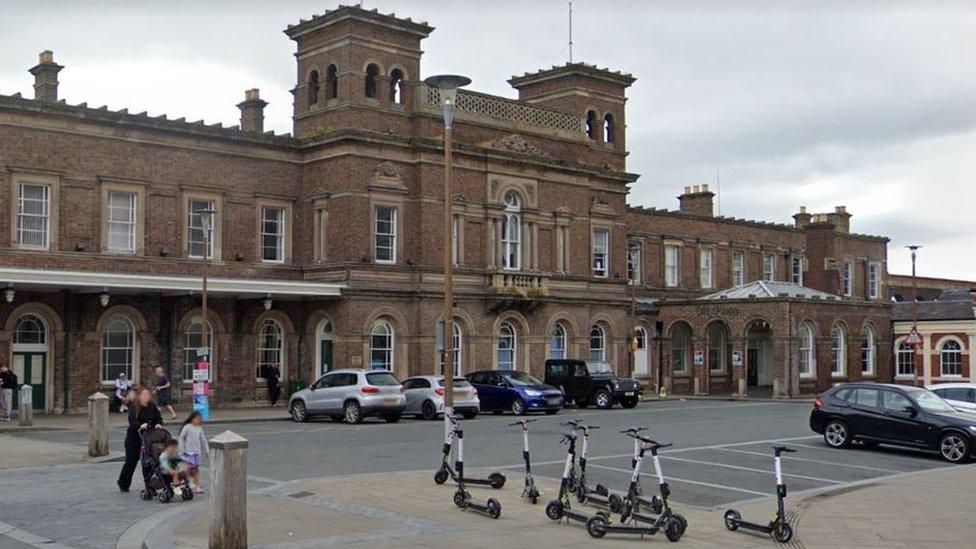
[
  {"x": 447, "y": 85},
  {"x": 206, "y": 221},
  {"x": 914, "y": 249}
]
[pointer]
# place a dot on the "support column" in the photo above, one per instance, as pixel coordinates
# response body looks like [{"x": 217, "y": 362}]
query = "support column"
[
  {"x": 739, "y": 347},
  {"x": 700, "y": 366},
  {"x": 228, "y": 510},
  {"x": 97, "y": 425}
]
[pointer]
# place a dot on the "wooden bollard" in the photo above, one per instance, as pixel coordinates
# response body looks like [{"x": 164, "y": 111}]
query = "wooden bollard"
[
  {"x": 98, "y": 425},
  {"x": 228, "y": 510}
]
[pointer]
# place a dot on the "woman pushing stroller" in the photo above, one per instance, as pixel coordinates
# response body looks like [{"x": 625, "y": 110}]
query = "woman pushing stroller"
[{"x": 143, "y": 415}]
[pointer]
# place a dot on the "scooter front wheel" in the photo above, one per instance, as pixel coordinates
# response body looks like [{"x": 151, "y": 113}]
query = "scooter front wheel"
[
  {"x": 616, "y": 503},
  {"x": 673, "y": 530},
  {"x": 460, "y": 500},
  {"x": 682, "y": 521},
  {"x": 596, "y": 526},
  {"x": 494, "y": 508},
  {"x": 497, "y": 480},
  {"x": 732, "y": 519},
  {"x": 554, "y": 510},
  {"x": 657, "y": 506},
  {"x": 782, "y": 532},
  {"x": 440, "y": 477}
]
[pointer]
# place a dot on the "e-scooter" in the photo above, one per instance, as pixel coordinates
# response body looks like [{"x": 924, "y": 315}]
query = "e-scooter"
[
  {"x": 653, "y": 502},
  {"x": 778, "y": 528},
  {"x": 495, "y": 480},
  {"x": 530, "y": 492},
  {"x": 584, "y": 494},
  {"x": 462, "y": 498},
  {"x": 561, "y": 507},
  {"x": 672, "y": 524}
]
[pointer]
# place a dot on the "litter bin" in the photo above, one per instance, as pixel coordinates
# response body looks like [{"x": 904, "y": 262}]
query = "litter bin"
[{"x": 295, "y": 386}]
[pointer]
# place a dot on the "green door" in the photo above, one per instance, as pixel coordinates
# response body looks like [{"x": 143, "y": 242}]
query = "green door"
[
  {"x": 325, "y": 356},
  {"x": 31, "y": 369}
]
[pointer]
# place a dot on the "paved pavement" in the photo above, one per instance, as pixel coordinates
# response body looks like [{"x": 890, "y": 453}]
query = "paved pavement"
[{"x": 721, "y": 456}]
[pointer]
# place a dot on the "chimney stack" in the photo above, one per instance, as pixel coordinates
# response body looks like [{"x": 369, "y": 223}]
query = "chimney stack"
[
  {"x": 802, "y": 218},
  {"x": 696, "y": 200},
  {"x": 841, "y": 219},
  {"x": 46, "y": 77},
  {"x": 252, "y": 111}
]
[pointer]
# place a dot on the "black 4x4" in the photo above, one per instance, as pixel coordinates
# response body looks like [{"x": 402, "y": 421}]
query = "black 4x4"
[{"x": 591, "y": 382}]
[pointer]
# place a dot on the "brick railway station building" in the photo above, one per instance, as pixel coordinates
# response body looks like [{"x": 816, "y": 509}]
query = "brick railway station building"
[{"x": 328, "y": 243}]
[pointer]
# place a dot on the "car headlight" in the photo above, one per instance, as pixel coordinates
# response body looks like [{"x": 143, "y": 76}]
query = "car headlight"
[
  {"x": 615, "y": 384},
  {"x": 533, "y": 393}
]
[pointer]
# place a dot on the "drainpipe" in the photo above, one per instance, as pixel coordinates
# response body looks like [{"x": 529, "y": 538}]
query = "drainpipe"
[
  {"x": 789, "y": 351},
  {"x": 66, "y": 354}
]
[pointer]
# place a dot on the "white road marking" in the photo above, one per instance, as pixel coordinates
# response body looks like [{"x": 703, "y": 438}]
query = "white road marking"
[
  {"x": 752, "y": 469},
  {"x": 676, "y": 479},
  {"x": 836, "y": 463}
]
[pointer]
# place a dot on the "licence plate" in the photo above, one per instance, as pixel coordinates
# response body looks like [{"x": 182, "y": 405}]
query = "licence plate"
[
  {"x": 629, "y": 393},
  {"x": 553, "y": 401},
  {"x": 390, "y": 401},
  {"x": 460, "y": 394}
]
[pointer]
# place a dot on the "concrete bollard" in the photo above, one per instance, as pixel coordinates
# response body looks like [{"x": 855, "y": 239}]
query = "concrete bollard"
[
  {"x": 25, "y": 407},
  {"x": 228, "y": 511},
  {"x": 98, "y": 425}
]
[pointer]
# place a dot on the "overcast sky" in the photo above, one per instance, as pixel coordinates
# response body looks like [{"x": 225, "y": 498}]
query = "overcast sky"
[{"x": 792, "y": 103}]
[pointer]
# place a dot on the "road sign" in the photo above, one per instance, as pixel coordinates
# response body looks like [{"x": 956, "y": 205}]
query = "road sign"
[{"x": 913, "y": 337}]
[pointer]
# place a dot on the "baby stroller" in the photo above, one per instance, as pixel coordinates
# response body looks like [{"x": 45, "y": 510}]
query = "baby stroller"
[{"x": 158, "y": 483}]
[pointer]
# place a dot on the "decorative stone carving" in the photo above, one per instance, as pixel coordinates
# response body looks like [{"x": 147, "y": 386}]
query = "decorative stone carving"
[
  {"x": 387, "y": 175},
  {"x": 386, "y": 169},
  {"x": 518, "y": 144}
]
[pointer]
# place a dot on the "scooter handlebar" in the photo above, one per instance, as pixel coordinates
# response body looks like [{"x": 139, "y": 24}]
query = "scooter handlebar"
[
  {"x": 522, "y": 422},
  {"x": 633, "y": 430},
  {"x": 779, "y": 449},
  {"x": 652, "y": 442},
  {"x": 578, "y": 424}
]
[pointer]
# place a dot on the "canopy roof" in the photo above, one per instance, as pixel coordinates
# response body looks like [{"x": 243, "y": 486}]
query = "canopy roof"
[{"x": 761, "y": 289}]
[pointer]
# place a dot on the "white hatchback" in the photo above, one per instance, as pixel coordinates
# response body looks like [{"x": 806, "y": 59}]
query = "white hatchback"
[
  {"x": 425, "y": 397},
  {"x": 961, "y": 396}
]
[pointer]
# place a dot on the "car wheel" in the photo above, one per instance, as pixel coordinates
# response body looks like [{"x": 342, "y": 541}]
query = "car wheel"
[
  {"x": 518, "y": 407},
  {"x": 954, "y": 447},
  {"x": 629, "y": 402},
  {"x": 428, "y": 410},
  {"x": 352, "y": 413},
  {"x": 299, "y": 413},
  {"x": 391, "y": 418},
  {"x": 469, "y": 415},
  {"x": 603, "y": 399},
  {"x": 836, "y": 434}
]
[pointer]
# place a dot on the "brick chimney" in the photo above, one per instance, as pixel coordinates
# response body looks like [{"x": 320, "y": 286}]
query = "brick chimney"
[
  {"x": 252, "y": 111},
  {"x": 46, "y": 77},
  {"x": 840, "y": 219},
  {"x": 696, "y": 200},
  {"x": 802, "y": 218}
]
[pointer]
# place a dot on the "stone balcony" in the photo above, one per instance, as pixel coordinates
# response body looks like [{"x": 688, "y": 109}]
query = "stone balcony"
[{"x": 516, "y": 290}]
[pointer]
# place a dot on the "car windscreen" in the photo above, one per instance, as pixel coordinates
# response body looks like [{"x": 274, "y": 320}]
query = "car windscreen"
[
  {"x": 458, "y": 382},
  {"x": 930, "y": 402},
  {"x": 381, "y": 379},
  {"x": 599, "y": 368},
  {"x": 521, "y": 378}
]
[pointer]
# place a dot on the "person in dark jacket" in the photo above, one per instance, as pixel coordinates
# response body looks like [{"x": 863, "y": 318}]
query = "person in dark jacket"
[
  {"x": 8, "y": 385},
  {"x": 143, "y": 414},
  {"x": 270, "y": 375}
]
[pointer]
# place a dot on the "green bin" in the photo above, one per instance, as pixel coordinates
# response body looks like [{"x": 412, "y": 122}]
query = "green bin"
[{"x": 296, "y": 386}]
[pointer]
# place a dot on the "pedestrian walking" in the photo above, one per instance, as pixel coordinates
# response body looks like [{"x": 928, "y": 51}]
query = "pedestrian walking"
[
  {"x": 164, "y": 393},
  {"x": 270, "y": 374},
  {"x": 193, "y": 447},
  {"x": 8, "y": 384},
  {"x": 143, "y": 414}
]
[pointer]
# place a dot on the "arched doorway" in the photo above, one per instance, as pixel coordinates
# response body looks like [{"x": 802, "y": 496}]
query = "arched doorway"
[
  {"x": 759, "y": 354},
  {"x": 30, "y": 357},
  {"x": 323, "y": 347},
  {"x": 642, "y": 366}
]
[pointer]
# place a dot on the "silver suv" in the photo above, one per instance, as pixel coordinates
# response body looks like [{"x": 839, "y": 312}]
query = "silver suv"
[{"x": 350, "y": 395}]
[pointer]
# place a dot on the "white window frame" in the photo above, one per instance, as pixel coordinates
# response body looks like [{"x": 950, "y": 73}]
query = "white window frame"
[
  {"x": 44, "y": 217},
  {"x": 769, "y": 267},
  {"x": 124, "y": 225},
  {"x": 598, "y": 343},
  {"x": 635, "y": 253},
  {"x": 901, "y": 349},
  {"x": 738, "y": 268},
  {"x": 456, "y": 339},
  {"x": 706, "y": 278},
  {"x": 847, "y": 279},
  {"x": 511, "y": 232},
  {"x": 868, "y": 352},
  {"x": 382, "y": 344},
  {"x": 279, "y": 235},
  {"x": 807, "y": 363},
  {"x": 128, "y": 349},
  {"x": 506, "y": 334},
  {"x": 385, "y": 240},
  {"x": 190, "y": 357},
  {"x": 557, "y": 342},
  {"x": 874, "y": 280},
  {"x": 600, "y": 265},
  {"x": 796, "y": 269},
  {"x": 672, "y": 265},
  {"x": 193, "y": 205},
  {"x": 956, "y": 353},
  {"x": 838, "y": 351},
  {"x": 272, "y": 354}
]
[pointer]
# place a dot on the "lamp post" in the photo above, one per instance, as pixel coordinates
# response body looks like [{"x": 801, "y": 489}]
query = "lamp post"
[
  {"x": 206, "y": 220},
  {"x": 447, "y": 85},
  {"x": 914, "y": 249}
]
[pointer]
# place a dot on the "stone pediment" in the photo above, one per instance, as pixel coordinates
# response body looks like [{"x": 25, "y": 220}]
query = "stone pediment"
[{"x": 518, "y": 144}]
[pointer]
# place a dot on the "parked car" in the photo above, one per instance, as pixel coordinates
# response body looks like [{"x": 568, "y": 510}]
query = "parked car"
[
  {"x": 591, "y": 382},
  {"x": 518, "y": 392},
  {"x": 961, "y": 396},
  {"x": 877, "y": 413},
  {"x": 425, "y": 397},
  {"x": 350, "y": 396}
]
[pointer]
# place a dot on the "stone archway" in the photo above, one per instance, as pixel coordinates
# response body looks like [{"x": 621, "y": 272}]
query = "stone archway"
[{"x": 760, "y": 368}]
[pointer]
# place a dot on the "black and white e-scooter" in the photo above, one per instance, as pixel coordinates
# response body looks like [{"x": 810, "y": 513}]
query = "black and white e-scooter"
[
  {"x": 653, "y": 501},
  {"x": 561, "y": 507},
  {"x": 584, "y": 494},
  {"x": 778, "y": 528},
  {"x": 462, "y": 498},
  {"x": 495, "y": 480},
  {"x": 530, "y": 492},
  {"x": 672, "y": 524}
]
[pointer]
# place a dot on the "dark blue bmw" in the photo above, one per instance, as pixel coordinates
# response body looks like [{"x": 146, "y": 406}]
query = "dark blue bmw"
[{"x": 518, "y": 392}]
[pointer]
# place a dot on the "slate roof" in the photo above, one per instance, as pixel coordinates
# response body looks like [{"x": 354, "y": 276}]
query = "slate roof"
[
  {"x": 761, "y": 289},
  {"x": 950, "y": 305}
]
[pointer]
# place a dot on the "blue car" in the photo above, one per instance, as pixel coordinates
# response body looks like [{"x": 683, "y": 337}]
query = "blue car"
[{"x": 518, "y": 392}]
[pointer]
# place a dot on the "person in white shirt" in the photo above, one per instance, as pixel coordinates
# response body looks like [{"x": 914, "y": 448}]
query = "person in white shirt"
[{"x": 122, "y": 388}]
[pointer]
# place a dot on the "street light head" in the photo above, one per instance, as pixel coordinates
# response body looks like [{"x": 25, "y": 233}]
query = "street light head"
[{"x": 448, "y": 85}]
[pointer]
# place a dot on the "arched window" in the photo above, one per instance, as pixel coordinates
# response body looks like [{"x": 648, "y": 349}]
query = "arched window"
[
  {"x": 950, "y": 358},
  {"x": 313, "y": 88},
  {"x": 193, "y": 341},
  {"x": 331, "y": 82},
  {"x": 512, "y": 232},
  {"x": 598, "y": 343},
  {"x": 867, "y": 351},
  {"x": 30, "y": 331},
  {"x": 718, "y": 346},
  {"x": 592, "y": 124},
  {"x": 372, "y": 72},
  {"x": 905, "y": 359},
  {"x": 805, "y": 351},
  {"x": 680, "y": 345},
  {"x": 271, "y": 350},
  {"x": 608, "y": 128},
  {"x": 118, "y": 348},
  {"x": 506, "y": 352},
  {"x": 455, "y": 347},
  {"x": 381, "y": 340},
  {"x": 396, "y": 86},
  {"x": 557, "y": 341},
  {"x": 838, "y": 351}
]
